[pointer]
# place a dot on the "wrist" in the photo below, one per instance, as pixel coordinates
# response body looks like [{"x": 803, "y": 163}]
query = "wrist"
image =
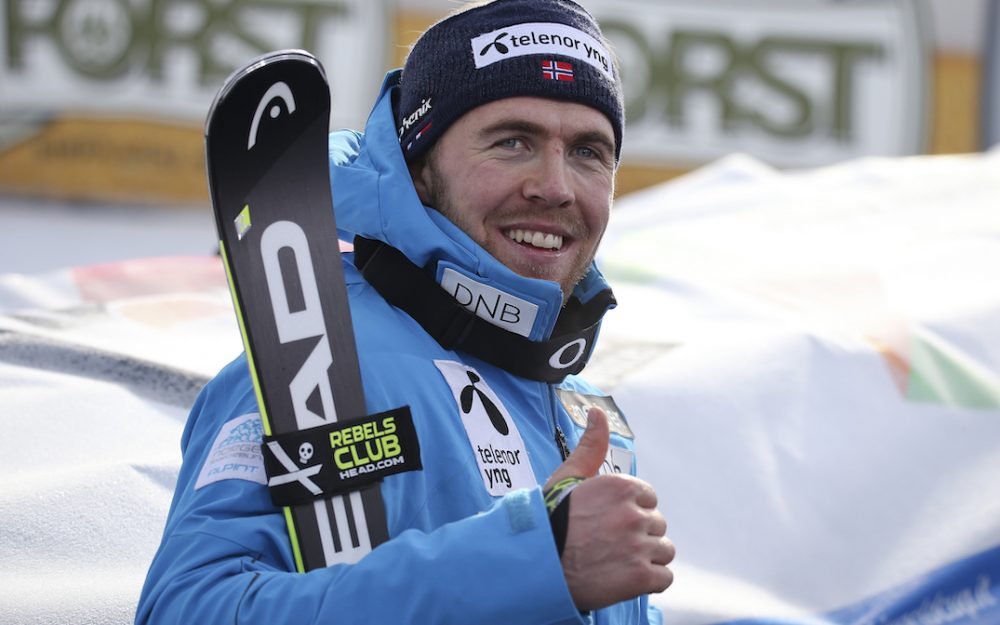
[{"x": 557, "y": 499}]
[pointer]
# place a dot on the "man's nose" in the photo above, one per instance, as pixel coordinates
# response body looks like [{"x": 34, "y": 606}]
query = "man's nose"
[{"x": 549, "y": 180}]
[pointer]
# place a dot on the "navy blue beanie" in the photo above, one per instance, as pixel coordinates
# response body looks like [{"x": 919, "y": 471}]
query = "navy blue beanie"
[{"x": 506, "y": 48}]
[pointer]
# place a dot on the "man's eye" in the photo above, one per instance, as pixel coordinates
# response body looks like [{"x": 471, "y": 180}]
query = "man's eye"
[
  {"x": 509, "y": 142},
  {"x": 590, "y": 153}
]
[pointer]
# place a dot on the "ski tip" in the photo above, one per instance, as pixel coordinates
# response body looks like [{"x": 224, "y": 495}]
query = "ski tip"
[{"x": 269, "y": 58}]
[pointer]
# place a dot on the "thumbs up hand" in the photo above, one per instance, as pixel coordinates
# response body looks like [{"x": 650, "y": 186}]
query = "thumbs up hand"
[
  {"x": 587, "y": 458},
  {"x": 616, "y": 546}
]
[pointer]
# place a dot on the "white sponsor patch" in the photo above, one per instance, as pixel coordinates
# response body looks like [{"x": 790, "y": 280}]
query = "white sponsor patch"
[
  {"x": 578, "y": 404},
  {"x": 618, "y": 460},
  {"x": 499, "y": 308},
  {"x": 496, "y": 443},
  {"x": 540, "y": 38},
  {"x": 236, "y": 454}
]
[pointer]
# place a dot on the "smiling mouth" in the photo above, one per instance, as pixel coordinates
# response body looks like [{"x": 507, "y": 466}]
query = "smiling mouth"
[{"x": 541, "y": 240}]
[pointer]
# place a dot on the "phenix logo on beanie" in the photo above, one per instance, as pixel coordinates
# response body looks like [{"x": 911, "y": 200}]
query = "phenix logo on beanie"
[{"x": 503, "y": 49}]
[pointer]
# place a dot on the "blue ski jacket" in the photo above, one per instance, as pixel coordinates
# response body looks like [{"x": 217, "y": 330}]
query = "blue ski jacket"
[{"x": 470, "y": 540}]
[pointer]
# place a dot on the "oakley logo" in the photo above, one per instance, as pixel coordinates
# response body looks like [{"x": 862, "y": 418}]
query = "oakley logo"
[
  {"x": 501, "y": 48},
  {"x": 470, "y": 392},
  {"x": 569, "y": 354}
]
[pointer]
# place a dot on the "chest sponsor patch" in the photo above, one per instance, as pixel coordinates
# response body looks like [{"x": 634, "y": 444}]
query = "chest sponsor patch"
[
  {"x": 501, "y": 309},
  {"x": 618, "y": 460},
  {"x": 577, "y": 404},
  {"x": 235, "y": 454},
  {"x": 496, "y": 443}
]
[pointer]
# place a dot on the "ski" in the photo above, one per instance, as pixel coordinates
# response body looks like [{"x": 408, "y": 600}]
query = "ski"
[{"x": 266, "y": 152}]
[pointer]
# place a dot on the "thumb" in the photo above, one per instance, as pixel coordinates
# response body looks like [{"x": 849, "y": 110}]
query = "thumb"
[{"x": 587, "y": 458}]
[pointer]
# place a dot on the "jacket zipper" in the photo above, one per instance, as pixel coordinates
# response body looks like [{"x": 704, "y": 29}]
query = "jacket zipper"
[{"x": 560, "y": 438}]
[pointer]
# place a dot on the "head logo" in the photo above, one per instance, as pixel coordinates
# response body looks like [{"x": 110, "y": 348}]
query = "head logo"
[
  {"x": 501, "y": 48},
  {"x": 467, "y": 395},
  {"x": 298, "y": 314},
  {"x": 278, "y": 90}
]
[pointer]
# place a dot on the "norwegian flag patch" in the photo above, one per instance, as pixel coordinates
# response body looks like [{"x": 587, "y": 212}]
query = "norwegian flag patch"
[{"x": 557, "y": 70}]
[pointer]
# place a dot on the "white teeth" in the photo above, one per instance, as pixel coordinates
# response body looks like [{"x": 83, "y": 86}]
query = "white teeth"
[{"x": 536, "y": 239}]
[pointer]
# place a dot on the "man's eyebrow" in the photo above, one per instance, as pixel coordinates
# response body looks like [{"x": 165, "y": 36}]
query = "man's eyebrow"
[
  {"x": 511, "y": 125},
  {"x": 531, "y": 128}
]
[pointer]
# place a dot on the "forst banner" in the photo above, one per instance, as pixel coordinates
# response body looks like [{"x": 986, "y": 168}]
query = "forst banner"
[
  {"x": 796, "y": 84},
  {"x": 991, "y": 78},
  {"x": 105, "y": 99}
]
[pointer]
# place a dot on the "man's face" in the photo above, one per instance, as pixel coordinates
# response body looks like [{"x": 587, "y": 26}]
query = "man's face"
[{"x": 530, "y": 180}]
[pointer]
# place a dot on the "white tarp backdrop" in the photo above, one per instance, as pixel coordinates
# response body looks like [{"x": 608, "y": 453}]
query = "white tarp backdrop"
[{"x": 811, "y": 362}]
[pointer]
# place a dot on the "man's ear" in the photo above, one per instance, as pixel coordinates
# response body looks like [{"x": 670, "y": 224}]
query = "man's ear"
[{"x": 422, "y": 179}]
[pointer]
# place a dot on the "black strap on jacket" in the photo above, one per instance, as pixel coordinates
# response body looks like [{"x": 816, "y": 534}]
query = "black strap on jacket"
[{"x": 411, "y": 289}]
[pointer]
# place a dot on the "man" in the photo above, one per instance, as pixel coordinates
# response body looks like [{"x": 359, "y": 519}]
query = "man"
[{"x": 483, "y": 179}]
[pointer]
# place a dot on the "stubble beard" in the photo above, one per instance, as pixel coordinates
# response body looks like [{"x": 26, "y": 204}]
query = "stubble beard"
[{"x": 440, "y": 200}]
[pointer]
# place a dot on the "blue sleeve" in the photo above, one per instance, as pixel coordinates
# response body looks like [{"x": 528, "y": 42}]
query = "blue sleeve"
[
  {"x": 653, "y": 614},
  {"x": 225, "y": 558}
]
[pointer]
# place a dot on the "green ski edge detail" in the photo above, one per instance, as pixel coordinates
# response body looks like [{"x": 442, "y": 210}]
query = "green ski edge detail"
[{"x": 292, "y": 534}]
